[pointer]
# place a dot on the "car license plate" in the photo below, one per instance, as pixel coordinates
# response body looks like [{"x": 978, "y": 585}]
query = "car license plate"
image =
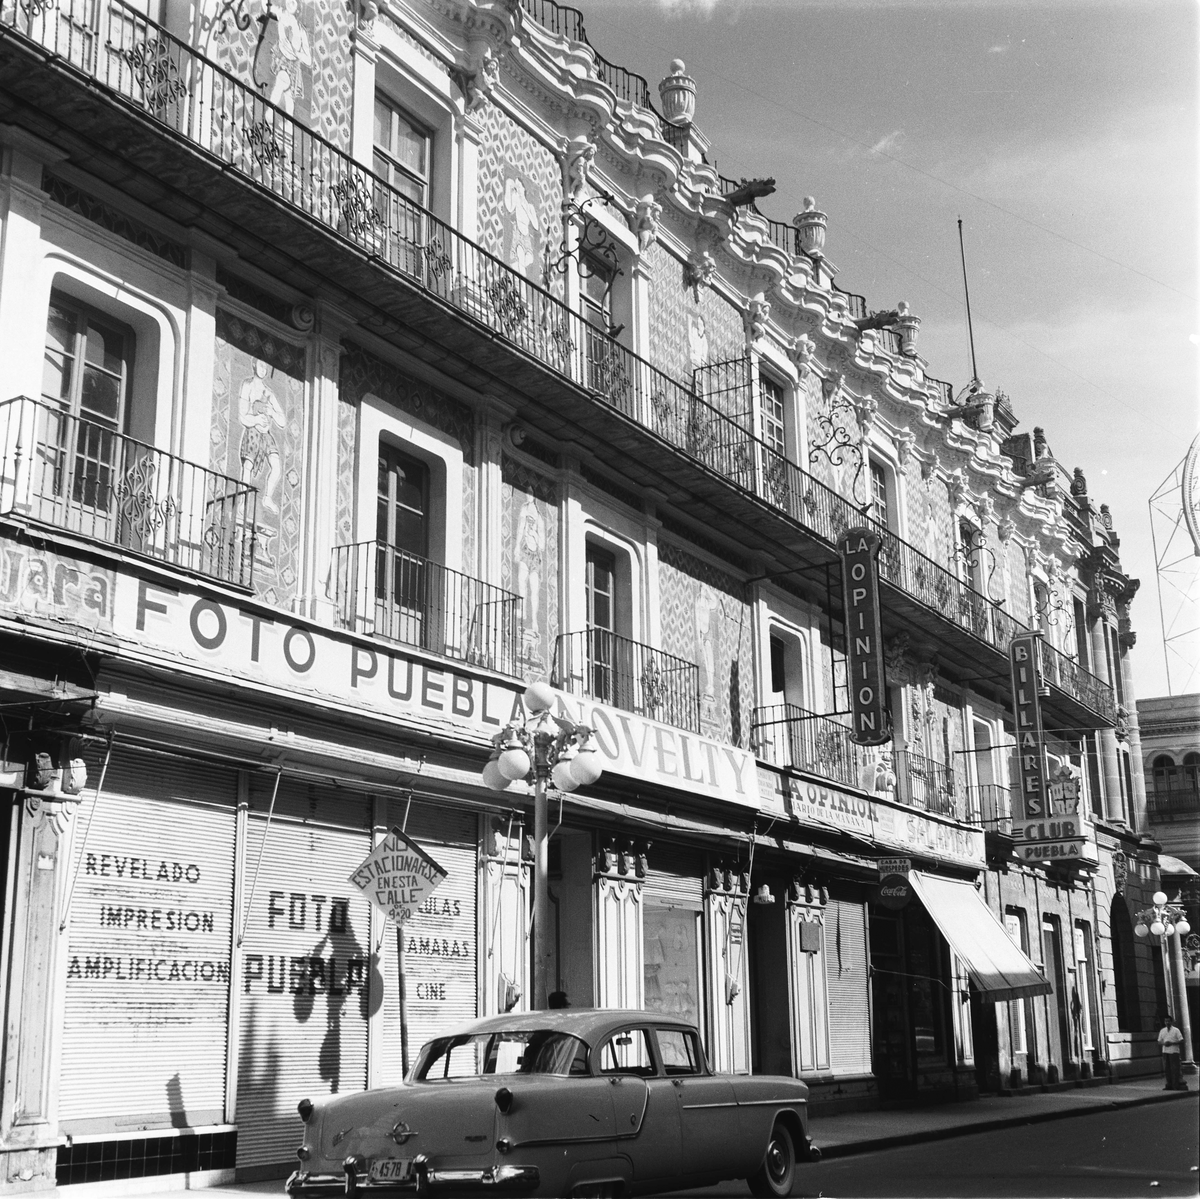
[{"x": 391, "y": 1169}]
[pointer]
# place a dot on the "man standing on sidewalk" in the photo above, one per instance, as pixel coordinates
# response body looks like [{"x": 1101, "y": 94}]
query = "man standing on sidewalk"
[{"x": 1170, "y": 1038}]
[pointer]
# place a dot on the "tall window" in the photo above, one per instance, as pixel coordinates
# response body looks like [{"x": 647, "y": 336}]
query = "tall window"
[
  {"x": 402, "y": 151},
  {"x": 971, "y": 552},
  {"x": 771, "y": 406},
  {"x": 1082, "y": 649},
  {"x": 402, "y": 545},
  {"x": 1041, "y": 607},
  {"x": 879, "y": 494},
  {"x": 602, "y": 622},
  {"x": 85, "y": 382},
  {"x": 1114, "y": 662},
  {"x": 595, "y": 293}
]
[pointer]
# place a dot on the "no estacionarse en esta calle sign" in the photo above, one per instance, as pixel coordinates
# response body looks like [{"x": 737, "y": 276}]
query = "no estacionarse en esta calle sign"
[{"x": 397, "y": 876}]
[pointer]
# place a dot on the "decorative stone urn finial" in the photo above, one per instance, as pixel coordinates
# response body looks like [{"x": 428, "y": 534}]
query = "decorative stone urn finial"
[
  {"x": 810, "y": 227},
  {"x": 678, "y": 95},
  {"x": 909, "y": 326}
]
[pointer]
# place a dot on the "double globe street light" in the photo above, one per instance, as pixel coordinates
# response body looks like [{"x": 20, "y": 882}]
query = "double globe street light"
[
  {"x": 542, "y": 749},
  {"x": 1168, "y": 922}
]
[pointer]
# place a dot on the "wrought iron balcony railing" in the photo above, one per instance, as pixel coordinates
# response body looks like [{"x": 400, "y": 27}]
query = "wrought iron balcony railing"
[
  {"x": 1067, "y": 675},
  {"x": 603, "y": 666},
  {"x": 788, "y": 735},
  {"x": 387, "y": 593},
  {"x": 88, "y": 479},
  {"x": 147, "y": 68},
  {"x": 990, "y": 805},
  {"x": 1175, "y": 794},
  {"x": 923, "y": 783}
]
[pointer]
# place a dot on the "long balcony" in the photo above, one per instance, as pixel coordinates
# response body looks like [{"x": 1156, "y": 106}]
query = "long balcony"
[
  {"x": 304, "y": 210},
  {"x": 603, "y": 666},
  {"x": 787, "y": 735},
  {"x": 400, "y": 597},
  {"x": 85, "y": 478},
  {"x": 1175, "y": 794}
]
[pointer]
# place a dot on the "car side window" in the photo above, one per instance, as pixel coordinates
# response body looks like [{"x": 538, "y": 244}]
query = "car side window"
[
  {"x": 680, "y": 1051},
  {"x": 627, "y": 1052}
]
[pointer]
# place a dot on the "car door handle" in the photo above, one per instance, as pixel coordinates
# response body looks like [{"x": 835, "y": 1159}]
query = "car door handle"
[{"x": 676, "y": 1082}]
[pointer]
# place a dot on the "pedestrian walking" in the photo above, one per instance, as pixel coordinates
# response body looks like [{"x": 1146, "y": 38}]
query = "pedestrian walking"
[{"x": 1170, "y": 1038}]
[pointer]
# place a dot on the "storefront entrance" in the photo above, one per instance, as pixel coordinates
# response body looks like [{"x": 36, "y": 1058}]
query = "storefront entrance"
[{"x": 910, "y": 985}]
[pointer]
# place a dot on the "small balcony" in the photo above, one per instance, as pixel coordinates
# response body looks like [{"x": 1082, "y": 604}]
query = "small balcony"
[
  {"x": 85, "y": 478},
  {"x": 787, "y": 735},
  {"x": 603, "y": 666},
  {"x": 990, "y": 805},
  {"x": 924, "y": 783},
  {"x": 399, "y": 597}
]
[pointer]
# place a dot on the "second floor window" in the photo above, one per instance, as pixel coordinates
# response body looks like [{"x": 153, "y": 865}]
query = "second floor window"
[
  {"x": 402, "y": 571},
  {"x": 878, "y": 498},
  {"x": 771, "y": 404},
  {"x": 595, "y": 293},
  {"x": 86, "y": 376},
  {"x": 402, "y": 151}
]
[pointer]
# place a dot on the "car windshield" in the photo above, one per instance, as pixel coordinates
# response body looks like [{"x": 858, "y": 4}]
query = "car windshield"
[{"x": 536, "y": 1051}]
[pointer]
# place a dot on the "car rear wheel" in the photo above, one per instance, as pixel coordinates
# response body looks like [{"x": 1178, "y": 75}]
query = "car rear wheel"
[{"x": 777, "y": 1174}]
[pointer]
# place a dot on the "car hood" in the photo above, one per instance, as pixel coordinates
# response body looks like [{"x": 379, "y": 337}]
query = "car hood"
[{"x": 454, "y": 1119}]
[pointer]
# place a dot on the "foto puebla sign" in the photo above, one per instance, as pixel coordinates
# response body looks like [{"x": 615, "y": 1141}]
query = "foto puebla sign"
[{"x": 870, "y": 722}]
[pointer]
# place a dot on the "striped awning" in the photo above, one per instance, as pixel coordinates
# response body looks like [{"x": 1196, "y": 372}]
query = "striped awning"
[{"x": 997, "y": 968}]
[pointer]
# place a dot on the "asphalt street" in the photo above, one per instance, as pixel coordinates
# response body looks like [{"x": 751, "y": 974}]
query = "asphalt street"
[{"x": 1151, "y": 1151}]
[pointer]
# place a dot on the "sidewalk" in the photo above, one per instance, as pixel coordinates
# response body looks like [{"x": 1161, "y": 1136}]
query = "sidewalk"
[{"x": 837, "y": 1136}]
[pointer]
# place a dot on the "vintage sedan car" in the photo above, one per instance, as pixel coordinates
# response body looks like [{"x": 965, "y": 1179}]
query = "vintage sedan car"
[{"x": 582, "y": 1103}]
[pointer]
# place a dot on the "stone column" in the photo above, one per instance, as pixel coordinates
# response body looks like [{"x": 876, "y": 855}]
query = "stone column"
[
  {"x": 326, "y": 461},
  {"x": 22, "y": 306},
  {"x": 34, "y": 961},
  {"x": 1110, "y": 766},
  {"x": 362, "y": 116},
  {"x": 1126, "y": 638}
]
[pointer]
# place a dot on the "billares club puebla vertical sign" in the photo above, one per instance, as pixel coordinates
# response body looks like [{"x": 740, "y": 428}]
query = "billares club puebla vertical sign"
[
  {"x": 1042, "y": 835},
  {"x": 871, "y": 722}
]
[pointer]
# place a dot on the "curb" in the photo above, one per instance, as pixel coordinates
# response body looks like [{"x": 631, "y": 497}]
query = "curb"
[{"x": 850, "y": 1148}]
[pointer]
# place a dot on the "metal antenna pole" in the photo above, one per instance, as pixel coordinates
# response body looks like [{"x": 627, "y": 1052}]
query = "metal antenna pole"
[{"x": 967, "y": 292}]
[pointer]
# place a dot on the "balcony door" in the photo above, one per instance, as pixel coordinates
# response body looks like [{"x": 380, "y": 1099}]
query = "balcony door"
[
  {"x": 609, "y": 665},
  {"x": 86, "y": 375},
  {"x": 402, "y": 567}
]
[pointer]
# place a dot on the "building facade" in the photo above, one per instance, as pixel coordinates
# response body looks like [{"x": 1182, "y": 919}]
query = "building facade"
[{"x": 364, "y": 364}]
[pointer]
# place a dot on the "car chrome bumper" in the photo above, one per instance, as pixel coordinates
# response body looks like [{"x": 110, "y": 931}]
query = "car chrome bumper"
[{"x": 422, "y": 1181}]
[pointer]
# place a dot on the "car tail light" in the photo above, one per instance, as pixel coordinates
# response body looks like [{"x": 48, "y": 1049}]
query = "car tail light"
[
  {"x": 504, "y": 1098},
  {"x": 303, "y": 1153},
  {"x": 305, "y": 1108}
]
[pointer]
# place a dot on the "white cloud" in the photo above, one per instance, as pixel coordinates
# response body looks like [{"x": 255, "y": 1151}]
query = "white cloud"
[{"x": 890, "y": 143}]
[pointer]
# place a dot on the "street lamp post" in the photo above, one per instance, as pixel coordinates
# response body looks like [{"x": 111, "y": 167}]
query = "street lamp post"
[
  {"x": 545, "y": 750},
  {"x": 1168, "y": 922}
]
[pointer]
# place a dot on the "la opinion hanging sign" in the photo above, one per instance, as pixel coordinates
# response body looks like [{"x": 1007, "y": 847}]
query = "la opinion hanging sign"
[{"x": 870, "y": 722}]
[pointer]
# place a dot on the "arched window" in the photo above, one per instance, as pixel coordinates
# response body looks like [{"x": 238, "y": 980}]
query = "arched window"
[
  {"x": 1129, "y": 1012},
  {"x": 1164, "y": 767}
]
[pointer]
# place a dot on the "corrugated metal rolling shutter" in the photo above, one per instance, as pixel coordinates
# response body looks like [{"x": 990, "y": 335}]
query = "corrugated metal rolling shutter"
[
  {"x": 849, "y": 985},
  {"x": 147, "y": 989},
  {"x": 306, "y": 964},
  {"x": 440, "y": 961},
  {"x": 674, "y": 879}
]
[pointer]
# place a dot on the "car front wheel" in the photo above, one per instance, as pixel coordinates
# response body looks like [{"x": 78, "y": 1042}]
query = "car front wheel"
[{"x": 776, "y": 1175}]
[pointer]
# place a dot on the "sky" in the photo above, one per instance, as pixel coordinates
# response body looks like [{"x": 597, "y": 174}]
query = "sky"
[{"x": 1062, "y": 132}]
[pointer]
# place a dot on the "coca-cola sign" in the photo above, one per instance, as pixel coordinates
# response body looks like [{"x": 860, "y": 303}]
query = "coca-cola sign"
[{"x": 894, "y": 891}]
